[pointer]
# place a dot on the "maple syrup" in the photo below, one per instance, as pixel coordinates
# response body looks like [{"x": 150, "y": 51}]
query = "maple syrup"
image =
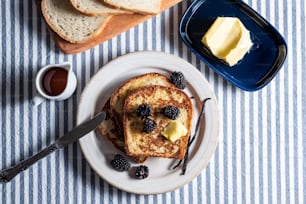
[{"x": 54, "y": 81}]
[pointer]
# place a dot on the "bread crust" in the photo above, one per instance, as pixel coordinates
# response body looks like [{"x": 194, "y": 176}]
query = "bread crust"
[
  {"x": 107, "y": 10},
  {"x": 118, "y": 97},
  {"x": 139, "y": 11},
  {"x": 71, "y": 9},
  {"x": 113, "y": 133}
]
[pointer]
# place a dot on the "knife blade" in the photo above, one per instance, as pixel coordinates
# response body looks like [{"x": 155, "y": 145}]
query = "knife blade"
[
  {"x": 76, "y": 133},
  {"x": 81, "y": 130}
]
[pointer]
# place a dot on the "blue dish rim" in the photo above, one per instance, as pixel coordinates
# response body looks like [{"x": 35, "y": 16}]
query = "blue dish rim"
[{"x": 257, "y": 18}]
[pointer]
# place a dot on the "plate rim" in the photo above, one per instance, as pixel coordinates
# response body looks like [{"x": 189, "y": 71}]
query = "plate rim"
[{"x": 207, "y": 85}]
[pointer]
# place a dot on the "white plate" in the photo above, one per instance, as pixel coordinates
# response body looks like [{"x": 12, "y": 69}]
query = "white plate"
[{"x": 162, "y": 178}]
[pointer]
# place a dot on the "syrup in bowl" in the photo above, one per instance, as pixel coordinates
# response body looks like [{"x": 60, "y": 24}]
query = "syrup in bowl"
[{"x": 54, "y": 81}]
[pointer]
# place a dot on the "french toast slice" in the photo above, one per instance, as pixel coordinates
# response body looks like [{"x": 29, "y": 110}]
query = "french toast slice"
[
  {"x": 154, "y": 144},
  {"x": 118, "y": 97},
  {"x": 110, "y": 130}
]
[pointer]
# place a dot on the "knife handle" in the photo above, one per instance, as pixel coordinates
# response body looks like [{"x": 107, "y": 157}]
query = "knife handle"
[{"x": 8, "y": 174}]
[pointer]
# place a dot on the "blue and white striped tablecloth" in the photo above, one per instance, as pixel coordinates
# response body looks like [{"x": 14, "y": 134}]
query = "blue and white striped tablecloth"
[{"x": 261, "y": 157}]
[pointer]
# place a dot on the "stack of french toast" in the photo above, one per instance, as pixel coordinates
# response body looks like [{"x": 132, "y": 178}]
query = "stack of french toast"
[{"x": 149, "y": 116}]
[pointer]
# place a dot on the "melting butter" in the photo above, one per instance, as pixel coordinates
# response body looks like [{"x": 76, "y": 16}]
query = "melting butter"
[
  {"x": 174, "y": 130},
  {"x": 228, "y": 39}
]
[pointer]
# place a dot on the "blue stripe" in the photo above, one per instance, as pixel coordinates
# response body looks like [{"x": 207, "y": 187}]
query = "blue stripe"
[
  {"x": 66, "y": 149},
  {"x": 39, "y": 115},
  {"x": 217, "y": 170},
  {"x": 145, "y": 37},
  {"x": 162, "y": 30},
  {"x": 242, "y": 143},
  {"x": 155, "y": 197},
  {"x": 252, "y": 153},
  {"x": 164, "y": 198},
  {"x": 128, "y": 198},
  {"x": 136, "y": 38},
  {"x": 31, "y": 76},
  {"x": 225, "y": 146},
  {"x": 172, "y": 194},
  {"x": 137, "y": 198},
  {"x": 190, "y": 191},
  {"x": 57, "y": 127},
  {"x": 260, "y": 121},
  {"x": 171, "y": 33},
  {"x": 22, "y": 106},
  {"x": 208, "y": 186},
  {"x": 3, "y": 97},
  {"x": 199, "y": 189},
  {"x": 84, "y": 164},
  {"x": 75, "y": 146},
  {"x": 303, "y": 108},
  {"x": 181, "y": 190},
  {"x": 234, "y": 147},
  {"x": 12, "y": 99},
  {"x": 180, "y": 42},
  {"x": 154, "y": 34},
  {"x": 127, "y": 41}
]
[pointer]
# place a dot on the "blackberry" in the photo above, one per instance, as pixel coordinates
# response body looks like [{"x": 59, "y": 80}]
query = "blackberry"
[
  {"x": 148, "y": 125},
  {"x": 178, "y": 79},
  {"x": 171, "y": 112},
  {"x": 143, "y": 111},
  {"x": 141, "y": 172},
  {"x": 120, "y": 163}
]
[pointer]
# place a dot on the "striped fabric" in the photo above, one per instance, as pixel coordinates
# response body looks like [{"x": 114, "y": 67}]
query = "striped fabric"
[{"x": 261, "y": 157}]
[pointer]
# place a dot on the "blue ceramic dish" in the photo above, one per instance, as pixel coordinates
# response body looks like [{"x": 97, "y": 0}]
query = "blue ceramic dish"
[{"x": 259, "y": 65}]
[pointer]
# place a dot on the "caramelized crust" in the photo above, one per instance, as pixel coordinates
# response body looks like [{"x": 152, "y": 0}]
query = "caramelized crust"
[{"x": 153, "y": 144}]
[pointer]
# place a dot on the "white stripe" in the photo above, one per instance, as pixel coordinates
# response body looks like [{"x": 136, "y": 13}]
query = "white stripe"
[
  {"x": 265, "y": 163},
  {"x": 289, "y": 120},
  {"x": 256, "y": 149},
  {"x": 273, "y": 126},
  {"x": 300, "y": 39}
]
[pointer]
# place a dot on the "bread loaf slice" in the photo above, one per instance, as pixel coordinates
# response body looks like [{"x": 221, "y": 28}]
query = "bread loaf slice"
[
  {"x": 70, "y": 24},
  {"x": 110, "y": 130},
  {"x": 96, "y": 8},
  {"x": 138, "y": 6},
  {"x": 118, "y": 97},
  {"x": 154, "y": 144}
]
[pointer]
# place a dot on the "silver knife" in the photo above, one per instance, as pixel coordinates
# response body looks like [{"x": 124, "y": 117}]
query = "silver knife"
[{"x": 76, "y": 133}]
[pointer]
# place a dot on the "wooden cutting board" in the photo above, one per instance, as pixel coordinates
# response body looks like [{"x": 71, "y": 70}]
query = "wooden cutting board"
[{"x": 116, "y": 25}]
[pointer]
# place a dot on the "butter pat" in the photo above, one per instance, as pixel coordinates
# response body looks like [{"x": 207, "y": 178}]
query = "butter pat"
[
  {"x": 228, "y": 39},
  {"x": 174, "y": 130}
]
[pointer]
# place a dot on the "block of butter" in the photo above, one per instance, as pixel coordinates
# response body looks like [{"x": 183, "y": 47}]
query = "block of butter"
[
  {"x": 228, "y": 39},
  {"x": 174, "y": 130}
]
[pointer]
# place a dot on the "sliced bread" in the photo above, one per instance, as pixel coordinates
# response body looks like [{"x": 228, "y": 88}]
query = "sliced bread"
[
  {"x": 110, "y": 130},
  {"x": 96, "y": 8},
  {"x": 70, "y": 24},
  {"x": 118, "y": 97},
  {"x": 138, "y": 6},
  {"x": 138, "y": 141}
]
